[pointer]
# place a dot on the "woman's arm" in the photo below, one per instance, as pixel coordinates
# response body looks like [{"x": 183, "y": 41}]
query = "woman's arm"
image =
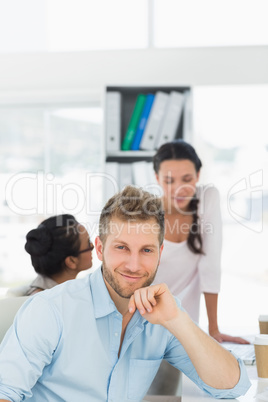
[{"x": 211, "y": 300}]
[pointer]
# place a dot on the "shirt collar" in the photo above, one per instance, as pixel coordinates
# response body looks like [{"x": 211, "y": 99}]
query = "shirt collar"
[{"x": 103, "y": 304}]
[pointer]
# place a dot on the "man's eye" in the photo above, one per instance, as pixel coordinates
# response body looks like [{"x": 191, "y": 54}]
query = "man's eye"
[
  {"x": 147, "y": 250},
  {"x": 120, "y": 247}
]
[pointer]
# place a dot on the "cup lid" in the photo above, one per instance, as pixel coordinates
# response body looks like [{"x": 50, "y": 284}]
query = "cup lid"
[
  {"x": 261, "y": 340},
  {"x": 263, "y": 317}
]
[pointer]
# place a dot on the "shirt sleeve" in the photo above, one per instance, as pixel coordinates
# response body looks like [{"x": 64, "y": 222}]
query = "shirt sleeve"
[
  {"x": 209, "y": 266},
  {"x": 178, "y": 358},
  {"x": 27, "y": 348}
]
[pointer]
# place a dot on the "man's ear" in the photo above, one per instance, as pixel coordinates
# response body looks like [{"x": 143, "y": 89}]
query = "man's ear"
[
  {"x": 99, "y": 248},
  {"x": 71, "y": 262},
  {"x": 160, "y": 253}
]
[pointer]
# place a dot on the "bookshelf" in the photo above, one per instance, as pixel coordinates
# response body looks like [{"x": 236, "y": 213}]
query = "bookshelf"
[{"x": 119, "y": 104}]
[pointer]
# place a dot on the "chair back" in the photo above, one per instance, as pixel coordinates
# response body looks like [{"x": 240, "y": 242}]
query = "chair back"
[
  {"x": 8, "y": 309},
  {"x": 167, "y": 383}
]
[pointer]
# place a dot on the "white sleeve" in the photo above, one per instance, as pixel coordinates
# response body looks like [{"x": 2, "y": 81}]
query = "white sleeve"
[{"x": 211, "y": 229}]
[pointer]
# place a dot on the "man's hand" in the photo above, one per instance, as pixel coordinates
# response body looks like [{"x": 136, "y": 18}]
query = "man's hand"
[
  {"x": 215, "y": 365},
  {"x": 155, "y": 303}
]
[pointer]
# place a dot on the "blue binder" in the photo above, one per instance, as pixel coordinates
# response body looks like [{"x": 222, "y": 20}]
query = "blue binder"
[{"x": 142, "y": 123}]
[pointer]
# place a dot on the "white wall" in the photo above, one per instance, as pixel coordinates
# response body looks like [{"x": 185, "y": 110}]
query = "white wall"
[{"x": 85, "y": 73}]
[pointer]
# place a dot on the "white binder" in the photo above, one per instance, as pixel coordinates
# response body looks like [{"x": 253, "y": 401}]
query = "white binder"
[
  {"x": 171, "y": 119},
  {"x": 140, "y": 173},
  {"x": 125, "y": 175},
  {"x": 154, "y": 121},
  {"x": 113, "y": 121}
]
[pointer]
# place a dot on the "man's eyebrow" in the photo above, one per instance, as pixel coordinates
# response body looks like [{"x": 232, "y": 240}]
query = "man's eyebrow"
[
  {"x": 117, "y": 240},
  {"x": 149, "y": 246}
]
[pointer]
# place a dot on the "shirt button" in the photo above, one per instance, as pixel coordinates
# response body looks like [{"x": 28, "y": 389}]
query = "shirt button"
[{"x": 116, "y": 334}]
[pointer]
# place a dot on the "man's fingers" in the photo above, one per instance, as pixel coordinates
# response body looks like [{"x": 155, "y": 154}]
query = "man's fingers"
[
  {"x": 131, "y": 305},
  {"x": 145, "y": 300},
  {"x": 150, "y": 295},
  {"x": 138, "y": 301}
]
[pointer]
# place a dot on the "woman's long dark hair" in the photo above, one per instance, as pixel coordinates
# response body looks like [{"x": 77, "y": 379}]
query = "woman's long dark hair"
[
  {"x": 51, "y": 242},
  {"x": 181, "y": 150}
]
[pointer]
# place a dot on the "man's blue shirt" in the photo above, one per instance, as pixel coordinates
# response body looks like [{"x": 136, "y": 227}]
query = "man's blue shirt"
[{"x": 63, "y": 347}]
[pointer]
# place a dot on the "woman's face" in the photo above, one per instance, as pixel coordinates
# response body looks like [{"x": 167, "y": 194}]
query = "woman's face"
[
  {"x": 86, "y": 247},
  {"x": 178, "y": 180}
]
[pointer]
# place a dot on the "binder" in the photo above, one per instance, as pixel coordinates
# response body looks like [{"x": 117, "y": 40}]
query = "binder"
[
  {"x": 140, "y": 174},
  {"x": 153, "y": 187},
  {"x": 157, "y": 112},
  {"x": 142, "y": 123},
  {"x": 113, "y": 121},
  {"x": 133, "y": 124},
  {"x": 125, "y": 175},
  {"x": 171, "y": 119}
]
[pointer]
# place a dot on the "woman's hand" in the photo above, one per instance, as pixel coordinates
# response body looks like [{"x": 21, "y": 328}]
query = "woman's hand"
[{"x": 227, "y": 338}]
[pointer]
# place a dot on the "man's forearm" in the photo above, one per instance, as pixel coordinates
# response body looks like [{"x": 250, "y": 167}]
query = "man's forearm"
[{"x": 215, "y": 366}]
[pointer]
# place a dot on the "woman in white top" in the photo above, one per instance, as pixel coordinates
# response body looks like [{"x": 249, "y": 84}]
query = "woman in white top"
[{"x": 191, "y": 258}]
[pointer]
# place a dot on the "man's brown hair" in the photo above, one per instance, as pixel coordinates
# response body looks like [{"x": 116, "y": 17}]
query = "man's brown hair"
[{"x": 132, "y": 204}]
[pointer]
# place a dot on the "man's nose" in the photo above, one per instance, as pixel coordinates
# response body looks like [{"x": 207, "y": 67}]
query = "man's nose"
[{"x": 133, "y": 262}]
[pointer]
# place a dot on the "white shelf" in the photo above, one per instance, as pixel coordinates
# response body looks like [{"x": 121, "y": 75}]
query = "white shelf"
[{"x": 130, "y": 154}]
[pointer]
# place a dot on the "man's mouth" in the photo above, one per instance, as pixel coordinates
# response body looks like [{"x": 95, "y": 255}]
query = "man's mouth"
[{"x": 131, "y": 278}]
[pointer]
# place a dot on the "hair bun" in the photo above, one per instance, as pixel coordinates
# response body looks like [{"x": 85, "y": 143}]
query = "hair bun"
[{"x": 38, "y": 241}]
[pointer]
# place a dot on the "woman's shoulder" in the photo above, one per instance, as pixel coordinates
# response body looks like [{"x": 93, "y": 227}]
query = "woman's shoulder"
[
  {"x": 206, "y": 192},
  {"x": 209, "y": 199}
]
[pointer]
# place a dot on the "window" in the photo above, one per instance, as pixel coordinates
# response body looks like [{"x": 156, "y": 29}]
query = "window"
[
  {"x": 231, "y": 127},
  {"x": 72, "y": 25},
  {"x": 48, "y": 154},
  {"x": 195, "y": 23}
]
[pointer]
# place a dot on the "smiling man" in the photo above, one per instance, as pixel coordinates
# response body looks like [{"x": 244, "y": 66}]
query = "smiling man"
[{"x": 103, "y": 337}]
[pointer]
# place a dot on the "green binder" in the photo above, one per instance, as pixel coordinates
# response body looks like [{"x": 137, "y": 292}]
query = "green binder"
[{"x": 133, "y": 124}]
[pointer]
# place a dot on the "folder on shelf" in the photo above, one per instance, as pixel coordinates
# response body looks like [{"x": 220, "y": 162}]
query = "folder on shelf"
[
  {"x": 171, "y": 119},
  {"x": 153, "y": 124},
  {"x": 133, "y": 124},
  {"x": 125, "y": 175},
  {"x": 153, "y": 187},
  {"x": 113, "y": 121},
  {"x": 142, "y": 123}
]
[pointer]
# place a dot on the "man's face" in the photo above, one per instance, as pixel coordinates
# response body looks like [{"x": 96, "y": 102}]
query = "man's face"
[{"x": 130, "y": 256}]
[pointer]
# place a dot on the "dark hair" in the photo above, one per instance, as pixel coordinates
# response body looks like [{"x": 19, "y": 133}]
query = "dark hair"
[
  {"x": 132, "y": 204},
  {"x": 54, "y": 239},
  {"x": 181, "y": 150}
]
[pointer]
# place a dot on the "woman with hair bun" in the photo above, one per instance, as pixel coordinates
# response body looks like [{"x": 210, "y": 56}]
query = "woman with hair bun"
[
  {"x": 191, "y": 259},
  {"x": 59, "y": 248}
]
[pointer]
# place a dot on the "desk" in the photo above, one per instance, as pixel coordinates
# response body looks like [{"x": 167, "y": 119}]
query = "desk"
[{"x": 191, "y": 393}]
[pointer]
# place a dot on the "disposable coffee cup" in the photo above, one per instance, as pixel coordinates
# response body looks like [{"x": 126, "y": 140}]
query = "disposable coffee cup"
[
  {"x": 263, "y": 323},
  {"x": 261, "y": 353}
]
